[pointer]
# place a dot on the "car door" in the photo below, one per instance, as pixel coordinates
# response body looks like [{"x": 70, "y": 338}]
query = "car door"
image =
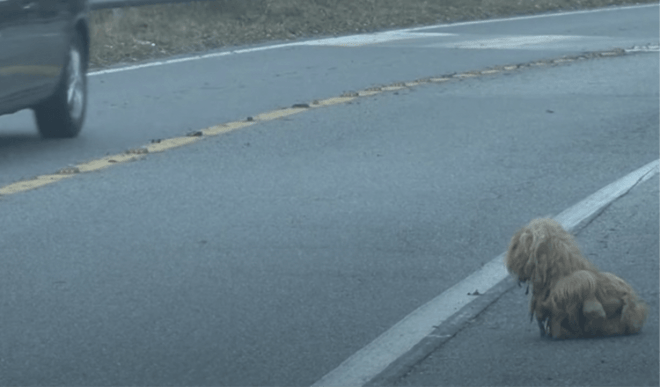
[
  {"x": 32, "y": 49},
  {"x": 49, "y": 37},
  {"x": 12, "y": 51}
]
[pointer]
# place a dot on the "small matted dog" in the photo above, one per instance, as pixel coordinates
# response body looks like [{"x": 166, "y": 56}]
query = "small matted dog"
[{"x": 571, "y": 298}]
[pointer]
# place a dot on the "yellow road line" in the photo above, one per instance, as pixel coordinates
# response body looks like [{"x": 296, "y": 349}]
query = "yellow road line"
[
  {"x": 335, "y": 101},
  {"x": 268, "y": 116},
  {"x": 170, "y": 143},
  {"x": 225, "y": 128},
  {"x": 26, "y": 185}
]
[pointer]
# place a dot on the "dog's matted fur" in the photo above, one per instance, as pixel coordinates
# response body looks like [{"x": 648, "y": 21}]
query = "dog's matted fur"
[{"x": 570, "y": 297}]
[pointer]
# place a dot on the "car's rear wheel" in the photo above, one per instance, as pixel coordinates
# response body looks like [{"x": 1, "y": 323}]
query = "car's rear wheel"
[{"x": 62, "y": 115}]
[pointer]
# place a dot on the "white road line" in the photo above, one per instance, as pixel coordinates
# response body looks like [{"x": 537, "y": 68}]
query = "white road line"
[
  {"x": 399, "y": 32},
  {"x": 371, "y": 360}
]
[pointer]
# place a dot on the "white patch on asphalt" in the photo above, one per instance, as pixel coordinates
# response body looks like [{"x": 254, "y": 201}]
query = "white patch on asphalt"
[
  {"x": 365, "y": 39},
  {"x": 371, "y": 360},
  {"x": 646, "y": 48},
  {"x": 514, "y": 42}
]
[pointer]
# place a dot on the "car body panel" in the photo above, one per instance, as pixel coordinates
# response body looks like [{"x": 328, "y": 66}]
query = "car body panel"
[{"x": 34, "y": 41}]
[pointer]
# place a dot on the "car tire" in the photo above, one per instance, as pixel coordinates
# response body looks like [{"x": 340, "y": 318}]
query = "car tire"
[{"x": 62, "y": 114}]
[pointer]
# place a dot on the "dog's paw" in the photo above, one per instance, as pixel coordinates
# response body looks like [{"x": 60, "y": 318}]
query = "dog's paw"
[
  {"x": 544, "y": 327},
  {"x": 593, "y": 310}
]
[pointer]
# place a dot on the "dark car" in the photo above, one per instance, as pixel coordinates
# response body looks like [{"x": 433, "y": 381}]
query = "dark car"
[{"x": 44, "y": 54}]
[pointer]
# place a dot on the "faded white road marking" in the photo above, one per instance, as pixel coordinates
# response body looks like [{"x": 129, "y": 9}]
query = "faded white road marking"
[
  {"x": 513, "y": 42},
  {"x": 371, "y": 360},
  {"x": 380, "y": 37},
  {"x": 646, "y": 48}
]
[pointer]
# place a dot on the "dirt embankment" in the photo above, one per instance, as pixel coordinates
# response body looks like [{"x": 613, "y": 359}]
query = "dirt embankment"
[{"x": 140, "y": 33}]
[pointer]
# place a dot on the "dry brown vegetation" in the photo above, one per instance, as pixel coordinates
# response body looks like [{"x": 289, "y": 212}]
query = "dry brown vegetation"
[{"x": 140, "y": 33}]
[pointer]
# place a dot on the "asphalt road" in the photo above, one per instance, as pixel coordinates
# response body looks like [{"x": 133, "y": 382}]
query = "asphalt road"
[
  {"x": 505, "y": 346},
  {"x": 269, "y": 255}
]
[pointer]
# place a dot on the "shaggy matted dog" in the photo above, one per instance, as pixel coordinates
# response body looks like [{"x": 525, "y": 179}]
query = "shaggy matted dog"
[{"x": 570, "y": 297}]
